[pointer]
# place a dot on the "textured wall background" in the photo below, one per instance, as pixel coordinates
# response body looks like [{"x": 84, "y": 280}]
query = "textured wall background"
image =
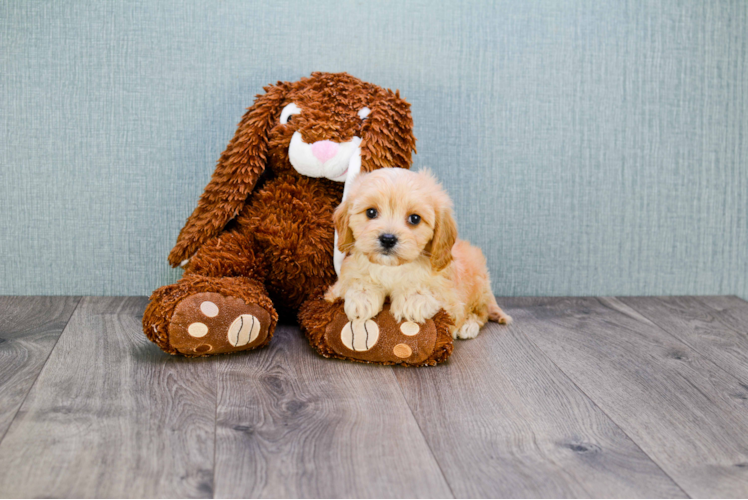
[{"x": 591, "y": 147}]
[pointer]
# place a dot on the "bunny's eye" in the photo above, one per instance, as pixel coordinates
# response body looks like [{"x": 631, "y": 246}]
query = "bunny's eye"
[
  {"x": 371, "y": 213},
  {"x": 288, "y": 112},
  {"x": 414, "y": 219},
  {"x": 363, "y": 113}
]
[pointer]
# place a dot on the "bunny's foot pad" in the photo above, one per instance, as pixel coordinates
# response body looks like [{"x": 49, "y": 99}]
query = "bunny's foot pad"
[
  {"x": 382, "y": 339},
  {"x": 210, "y": 323}
]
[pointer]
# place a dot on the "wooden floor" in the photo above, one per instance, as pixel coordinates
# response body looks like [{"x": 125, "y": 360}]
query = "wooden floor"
[{"x": 581, "y": 397}]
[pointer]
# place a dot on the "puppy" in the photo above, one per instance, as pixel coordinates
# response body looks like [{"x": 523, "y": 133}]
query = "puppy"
[{"x": 401, "y": 238}]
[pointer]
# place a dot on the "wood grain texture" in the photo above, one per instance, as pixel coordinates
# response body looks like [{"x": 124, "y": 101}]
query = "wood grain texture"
[
  {"x": 293, "y": 424},
  {"x": 112, "y": 416},
  {"x": 29, "y": 329},
  {"x": 716, "y": 327},
  {"x": 503, "y": 421},
  {"x": 731, "y": 311},
  {"x": 581, "y": 397},
  {"x": 685, "y": 412}
]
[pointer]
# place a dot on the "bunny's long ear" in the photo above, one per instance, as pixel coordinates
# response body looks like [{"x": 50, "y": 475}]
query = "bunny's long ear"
[
  {"x": 387, "y": 138},
  {"x": 236, "y": 174}
]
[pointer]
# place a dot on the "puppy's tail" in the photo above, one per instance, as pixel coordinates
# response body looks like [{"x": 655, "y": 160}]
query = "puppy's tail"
[{"x": 495, "y": 313}]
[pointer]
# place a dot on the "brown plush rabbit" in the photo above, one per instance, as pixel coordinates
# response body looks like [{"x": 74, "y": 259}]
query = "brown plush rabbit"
[{"x": 261, "y": 238}]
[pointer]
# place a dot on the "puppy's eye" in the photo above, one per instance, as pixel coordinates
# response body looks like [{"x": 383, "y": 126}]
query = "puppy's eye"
[
  {"x": 414, "y": 219},
  {"x": 372, "y": 213},
  {"x": 288, "y": 112}
]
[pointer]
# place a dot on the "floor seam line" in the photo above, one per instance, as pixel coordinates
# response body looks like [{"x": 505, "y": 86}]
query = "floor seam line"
[
  {"x": 573, "y": 382},
  {"x": 23, "y": 401},
  {"x": 428, "y": 445},
  {"x": 215, "y": 430}
]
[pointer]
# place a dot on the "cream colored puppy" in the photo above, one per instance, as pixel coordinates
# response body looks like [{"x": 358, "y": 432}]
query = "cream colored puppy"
[{"x": 401, "y": 238}]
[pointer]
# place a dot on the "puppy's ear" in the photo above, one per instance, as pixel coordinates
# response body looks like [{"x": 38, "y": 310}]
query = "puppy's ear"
[
  {"x": 235, "y": 176},
  {"x": 387, "y": 138},
  {"x": 341, "y": 218},
  {"x": 445, "y": 235}
]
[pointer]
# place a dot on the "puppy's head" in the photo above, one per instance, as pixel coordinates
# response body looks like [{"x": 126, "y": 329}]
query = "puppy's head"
[{"x": 394, "y": 216}]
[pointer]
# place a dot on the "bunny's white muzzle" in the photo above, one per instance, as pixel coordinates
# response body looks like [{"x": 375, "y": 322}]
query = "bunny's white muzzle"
[
  {"x": 323, "y": 158},
  {"x": 340, "y": 162}
]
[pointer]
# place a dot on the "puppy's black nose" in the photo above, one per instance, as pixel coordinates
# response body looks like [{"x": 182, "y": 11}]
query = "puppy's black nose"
[{"x": 387, "y": 240}]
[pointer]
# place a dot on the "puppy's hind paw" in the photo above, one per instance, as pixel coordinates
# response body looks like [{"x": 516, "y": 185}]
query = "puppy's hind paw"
[
  {"x": 469, "y": 330},
  {"x": 497, "y": 314}
]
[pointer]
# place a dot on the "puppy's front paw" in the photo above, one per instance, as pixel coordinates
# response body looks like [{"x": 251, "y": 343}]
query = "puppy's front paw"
[
  {"x": 416, "y": 307},
  {"x": 360, "y": 305}
]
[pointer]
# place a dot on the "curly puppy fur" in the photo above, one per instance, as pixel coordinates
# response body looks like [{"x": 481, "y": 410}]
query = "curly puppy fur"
[
  {"x": 398, "y": 229},
  {"x": 262, "y": 231}
]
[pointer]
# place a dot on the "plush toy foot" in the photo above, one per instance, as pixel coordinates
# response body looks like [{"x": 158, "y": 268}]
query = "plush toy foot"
[
  {"x": 200, "y": 316},
  {"x": 209, "y": 323},
  {"x": 381, "y": 340}
]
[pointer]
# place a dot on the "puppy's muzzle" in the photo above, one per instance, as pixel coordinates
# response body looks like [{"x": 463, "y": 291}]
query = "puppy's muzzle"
[{"x": 388, "y": 241}]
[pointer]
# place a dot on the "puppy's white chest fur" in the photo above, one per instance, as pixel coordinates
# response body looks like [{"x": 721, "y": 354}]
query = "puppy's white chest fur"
[
  {"x": 392, "y": 279},
  {"x": 410, "y": 287}
]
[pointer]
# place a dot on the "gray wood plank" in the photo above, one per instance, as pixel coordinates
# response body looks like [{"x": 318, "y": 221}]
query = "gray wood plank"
[
  {"x": 503, "y": 421},
  {"x": 29, "y": 329},
  {"x": 731, "y": 311},
  {"x": 684, "y": 411},
  {"x": 112, "y": 416},
  {"x": 711, "y": 325},
  {"x": 293, "y": 424}
]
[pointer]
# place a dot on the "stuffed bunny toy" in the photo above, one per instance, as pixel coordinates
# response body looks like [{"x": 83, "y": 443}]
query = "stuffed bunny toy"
[{"x": 261, "y": 241}]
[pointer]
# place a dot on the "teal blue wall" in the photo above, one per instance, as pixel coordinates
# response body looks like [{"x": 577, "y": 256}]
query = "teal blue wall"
[{"x": 591, "y": 147}]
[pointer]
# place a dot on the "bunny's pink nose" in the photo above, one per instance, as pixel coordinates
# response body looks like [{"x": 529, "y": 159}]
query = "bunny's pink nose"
[{"x": 324, "y": 150}]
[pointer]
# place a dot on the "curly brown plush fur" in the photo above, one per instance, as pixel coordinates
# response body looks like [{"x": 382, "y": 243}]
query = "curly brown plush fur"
[{"x": 262, "y": 230}]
